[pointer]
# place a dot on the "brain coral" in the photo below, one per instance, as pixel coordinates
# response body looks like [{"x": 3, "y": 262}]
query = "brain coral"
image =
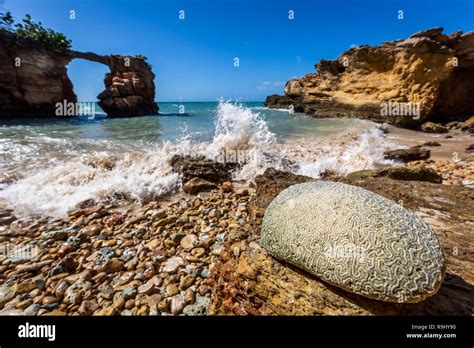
[{"x": 354, "y": 239}]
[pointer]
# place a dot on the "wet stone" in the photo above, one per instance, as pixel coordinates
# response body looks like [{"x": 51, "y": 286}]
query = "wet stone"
[
  {"x": 129, "y": 292},
  {"x": 187, "y": 242},
  {"x": 186, "y": 282},
  {"x": 111, "y": 266},
  {"x": 172, "y": 264},
  {"x": 200, "y": 307},
  {"x": 177, "y": 304},
  {"x": 171, "y": 290}
]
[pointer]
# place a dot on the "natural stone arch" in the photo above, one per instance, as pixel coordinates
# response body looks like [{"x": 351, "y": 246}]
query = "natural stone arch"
[
  {"x": 129, "y": 86},
  {"x": 34, "y": 79}
]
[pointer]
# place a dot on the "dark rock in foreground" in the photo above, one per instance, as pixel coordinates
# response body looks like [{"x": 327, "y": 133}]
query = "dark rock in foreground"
[
  {"x": 253, "y": 282},
  {"x": 200, "y": 167}
]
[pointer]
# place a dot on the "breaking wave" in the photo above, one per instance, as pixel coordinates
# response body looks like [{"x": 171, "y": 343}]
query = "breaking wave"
[{"x": 141, "y": 172}]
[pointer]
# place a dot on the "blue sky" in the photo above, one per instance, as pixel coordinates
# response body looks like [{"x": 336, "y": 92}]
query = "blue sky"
[{"x": 193, "y": 59}]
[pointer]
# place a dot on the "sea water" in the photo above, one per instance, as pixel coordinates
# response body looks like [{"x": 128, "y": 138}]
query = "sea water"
[{"x": 49, "y": 166}]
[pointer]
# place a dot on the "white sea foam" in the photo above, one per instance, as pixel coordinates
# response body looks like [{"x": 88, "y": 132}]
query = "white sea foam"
[
  {"x": 362, "y": 150},
  {"x": 58, "y": 189},
  {"x": 143, "y": 171},
  {"x": 239, "y": 128}
]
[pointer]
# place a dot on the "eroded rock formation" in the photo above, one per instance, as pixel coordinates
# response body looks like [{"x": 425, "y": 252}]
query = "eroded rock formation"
[
  {"x": 405, "y": 82},
  {"x": 33, "y": 79},
  {"x": 130, "y": 90}
]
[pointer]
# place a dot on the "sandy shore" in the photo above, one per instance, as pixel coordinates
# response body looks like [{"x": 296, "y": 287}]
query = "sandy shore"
[
  {"x": 450, "y": 157},
  {"x": 455, "y": 141}
]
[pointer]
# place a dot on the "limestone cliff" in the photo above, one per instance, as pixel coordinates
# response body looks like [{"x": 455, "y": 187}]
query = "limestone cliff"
[
  {"x": 429, "y": 70},
  {"x": 33, "y": 79}
]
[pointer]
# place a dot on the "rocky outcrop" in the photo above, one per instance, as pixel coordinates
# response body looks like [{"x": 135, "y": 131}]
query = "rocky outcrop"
[
  {"x": 468, "y": 125},
  {"x": 33, "y": 79},
  {"x": 200, "y": 167},
  {"x": 253, "y": 282},
  {"x": 420, "y": 173},
  {"x": 430, "y": 127},
  {"x": 408, "y": 155},
  {"x": 130, "y": 88},
  {"x": 426, "y": 77}
]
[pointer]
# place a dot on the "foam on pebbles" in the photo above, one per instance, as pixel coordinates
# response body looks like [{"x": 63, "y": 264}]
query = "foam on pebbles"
[{"x": 123, "y": 259}]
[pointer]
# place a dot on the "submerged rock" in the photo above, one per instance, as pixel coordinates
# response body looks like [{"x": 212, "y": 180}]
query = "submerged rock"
[
  {"x": 42, "y": 82},
  {"x": 408, "y": 155},
  {"x": 356, "y": 240}
]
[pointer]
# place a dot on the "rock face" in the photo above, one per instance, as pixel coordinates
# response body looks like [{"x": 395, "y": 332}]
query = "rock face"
[
  {"x": 33, "y": 79},
  {"x": 430, "y": 70},
  {"x": 130, "y": 90},
  {"x": 354, "y": 239}
]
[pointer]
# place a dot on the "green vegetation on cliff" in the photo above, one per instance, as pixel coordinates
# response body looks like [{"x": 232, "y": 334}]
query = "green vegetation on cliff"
[{"x": 28, "y": 29}]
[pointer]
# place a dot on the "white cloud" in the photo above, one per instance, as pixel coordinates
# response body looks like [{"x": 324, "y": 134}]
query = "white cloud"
[{"x": 270, "y": 85}]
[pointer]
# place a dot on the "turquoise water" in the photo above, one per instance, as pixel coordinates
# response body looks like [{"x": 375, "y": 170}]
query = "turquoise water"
[
  {"x": 199, "y": 120},
  {"x": 50, "y": 166},
  {"x": 175, "y": 119},
  {"x": 28, "y": 143}
]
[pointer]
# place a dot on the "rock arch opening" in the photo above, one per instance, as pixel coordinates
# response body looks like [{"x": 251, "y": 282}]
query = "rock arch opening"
[{"x": 87, "y": 79}]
